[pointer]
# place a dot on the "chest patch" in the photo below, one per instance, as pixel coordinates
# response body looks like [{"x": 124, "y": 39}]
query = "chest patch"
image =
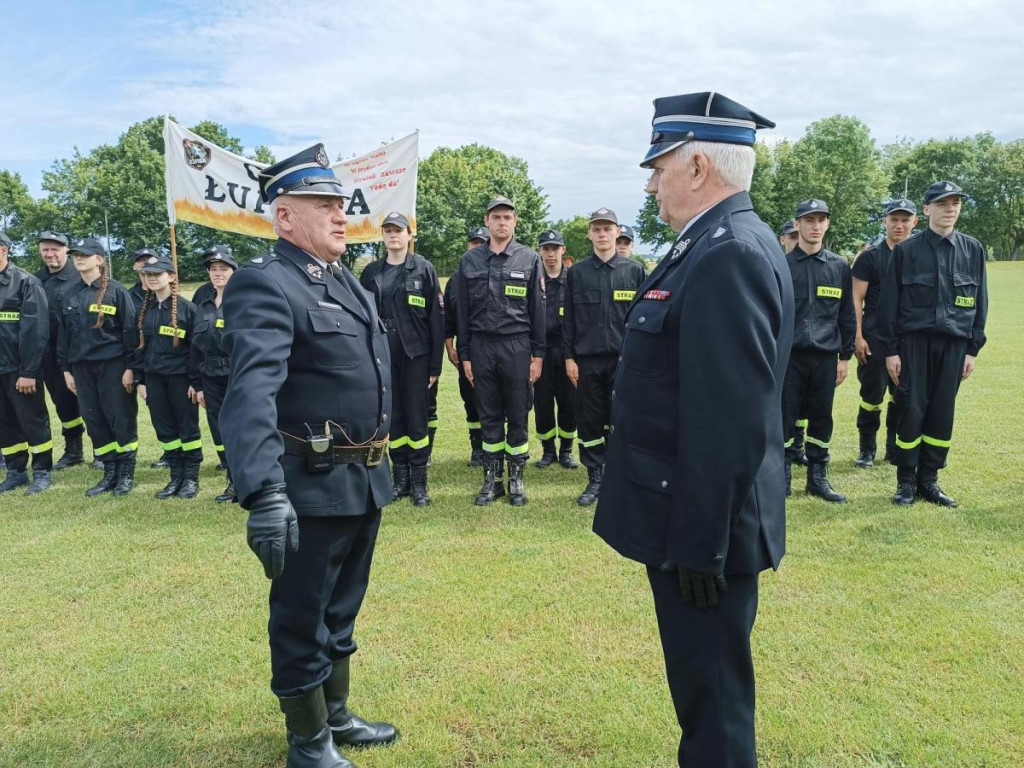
[
  {"x": 417, "y": 301},
  {"x": 828, "y": 292},
  {"x": 517, "y": 291},
  {"x": 10, "y": 317},
  {"x": 964, "y": 301},
  {"x": 103, "y": 309},
  {"x": 623, "y": 295},
  {"x": 219, "y": 323},
  {"x": 516, "y": 275},
  {"x": 166, "y": 330},
  {"x": 657, "y": 295}
]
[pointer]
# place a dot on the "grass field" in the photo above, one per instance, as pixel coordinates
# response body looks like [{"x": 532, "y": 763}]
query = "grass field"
[{"x": 133, "y": 631}]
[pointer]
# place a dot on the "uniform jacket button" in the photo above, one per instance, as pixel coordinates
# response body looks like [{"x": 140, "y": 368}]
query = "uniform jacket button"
[
  {"x": 664, "y": 483},
  {"x": 378, "y": 361},
  {"x": 611, "y": 430},
  {"x": 718, "y": 557},
  {"x": 383, "y": 418},
  {"x": 642, "y": 320}
]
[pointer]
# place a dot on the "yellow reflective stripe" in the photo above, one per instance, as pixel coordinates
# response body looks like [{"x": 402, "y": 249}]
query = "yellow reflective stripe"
[
  {"x": 518, "y": 291},
  {"x": 819, "y": 443},
  {"x": 546, "y": 435},
  {"x": 936, "y": 442},
  {"x": 42, "y": 447},
  {"x": 908, "y": 446},
  {"x": 10, "y": 450},
  {"x": 105, "y": 309},
  {"x": 828, "y": 292},
  {"x": 417, "y": 444},
  {"x": 166, "y": 330},
  {"x": 788, "y": 443},
  {"x": 73, "y": 423},
  {"x": 591, "y": 443},
  {"x": 398, "y": 442},
  {"x": 870, "y": 407},
  {"x": 493, "y": 447},
  {"x": 964, "y": 301},
  {"x": 432, "y": 424},
  {"x": 130, "y": 447},
  {"x": 218, "y": 448},
  {"x": 566, "y": 435},
  {"x": 517, "y": 450},
  {"x": 801, "y": 423},
  {"x": 623, "y": 295},
  {"x": 171, "y": 446},
  {"x": 9, "y": 317},
  {"x": 417, "y": 301},
  {"x": 104, "y": 449},
  {"x": 473, "y": 424},
  {"x": 193, "y": 445}
]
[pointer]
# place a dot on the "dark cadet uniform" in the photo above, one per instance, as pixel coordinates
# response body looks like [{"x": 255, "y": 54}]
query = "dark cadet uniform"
[
  {"x": 56, "y": 285},
  {"x": 206, "y": 290},
  {"x": 138, "y": 294},
  {"x": 24, "y": 420},
  {"x": 98, "y": 358},
  {"x": 305, "y": 425},
  {"x": 466, "y": 390},
  {"x": 597, "y": 296},
  {"x": 553, "y": 387},
  {"x": 825, "y": 331},
  {"x": 500, "y": 325},
  {"x": 693, "y": 483},
  {"x": 931, "y": 312}
]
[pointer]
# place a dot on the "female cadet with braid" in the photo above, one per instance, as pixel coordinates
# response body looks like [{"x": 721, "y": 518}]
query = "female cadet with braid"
[
  {"x": 96, "y": 351},
  {"x": 166, "y": 323}
]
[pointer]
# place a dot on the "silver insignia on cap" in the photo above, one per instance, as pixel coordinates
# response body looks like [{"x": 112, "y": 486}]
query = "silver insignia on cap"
[
  {"x": 948, "y": 187},
  {"x": 814, "y": 203},
  {"x": 151, "y": 260},
  {"x": 321, "y": 157}
]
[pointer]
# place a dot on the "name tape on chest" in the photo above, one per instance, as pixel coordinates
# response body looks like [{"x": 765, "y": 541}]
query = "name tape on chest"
[
  {"x": 103, "y": 309},
  {"x": 516, "y": 275},
  {"x": 623, "y": 295},
  {"x": 219, "y": 322},
  {"x": 828, "y": 292},
  {"x": 964, "y": 301},
  {"x": 657, "y": 295},
  {"x": 166, "y": 330},
  {"x": 417, "y": 301},
  {"x": 10, "y": 317},
  {"x": 518, "y": 291}
]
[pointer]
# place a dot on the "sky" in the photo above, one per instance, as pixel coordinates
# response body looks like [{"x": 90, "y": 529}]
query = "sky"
[{"x": 567, "y": 86}]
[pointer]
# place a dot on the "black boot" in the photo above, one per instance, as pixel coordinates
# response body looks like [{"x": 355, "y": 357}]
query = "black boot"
[
  {"x": 189, "y": 477},
  {"x": 229, "y": 495},
  {"x": 348, "y": 728},
  {"x": 493, "y": 487},
  {"x": 430, "y": 445},
  {"x": 476, "y": 456},
  {"x": 125, "y": 473},
  {"x": 548, "y": 456},
  {"x": 401, "y": 486},
  {"x": 868, "y": 446},
  {"x": 799, "y": 455},
  {"x": 72, "y": 453},
  {"x": 418, "y": 487},
  {"x": 15, "y": 479},
  {"x": 788, "y": 470},
  {"x": 818, "y": 484},
  {"x": 565, "y": 457},
  {"x": 593, "y": 489},
  {"x": 516, "y": 483},
  {"x": 164, "y": 462},
  {"x": 108, "y": 482},
  {"x": 309, "y": 737},
  {"x": 928, "y": 488},
  {"x": 41, "y": 481},
  {"x": 906, "y": 480},
  {"x": 222, "y": 462},
  {"x": 177, "y": 470},
  {"x": 3, "y": 462},
  {"x": 97, "y": 463}
]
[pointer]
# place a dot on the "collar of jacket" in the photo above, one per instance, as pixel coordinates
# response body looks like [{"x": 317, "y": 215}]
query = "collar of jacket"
[
  {"x": 800, "y": 253},
  {"x": 611, "y": 263},
  {"x": 934, "y": 238},
  {"x": 301, "y": 259},
  {"x": 732, "y": 204}
]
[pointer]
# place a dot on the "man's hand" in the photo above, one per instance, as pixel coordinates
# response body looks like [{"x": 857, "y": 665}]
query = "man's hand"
[
  {"x": 536, "y": 365},
  {"x": 842, "y": 368},
  {"x": 69, "y": 381},
  {"x": 127, "y": 380},
  {"x": 200, "y": 398},
  {"x": 273, "y": 526},
  {"x": 467, "y": 368},
  {"x": 453, "y": 356},
  {"x": 142, "y": 391},
  {"x": 431, "y": 381},
  {"x": 895, "y": 367},
  {"x": 25, "y": 385},
  {"x": 862, "y": 350},
  {"x": 701, "y": 589},
  {"x": 572, "y": 371},
  {"x": 968, "y": 365}
]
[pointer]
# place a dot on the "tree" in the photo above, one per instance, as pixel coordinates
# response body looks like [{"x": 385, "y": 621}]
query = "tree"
[
  {"x": 574, "y": 232},
  {"x": 650, "y": 228},
  {"x": 453, "y": 188},
  {"x": 16, "y": 206}
]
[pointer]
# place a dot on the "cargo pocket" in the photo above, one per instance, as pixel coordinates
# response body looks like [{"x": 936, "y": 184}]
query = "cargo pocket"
[{"x": 651, "y": 477}]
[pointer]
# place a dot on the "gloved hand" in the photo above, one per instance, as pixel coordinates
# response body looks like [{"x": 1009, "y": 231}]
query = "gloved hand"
[
  {"x": 272, "y": 524},
  {"x": 701, "y": 589}
]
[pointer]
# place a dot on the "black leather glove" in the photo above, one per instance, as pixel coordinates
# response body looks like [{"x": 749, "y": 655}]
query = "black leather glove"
[
  {"x": 272, "y": 524},
  {"x": 701, "y": 589}
]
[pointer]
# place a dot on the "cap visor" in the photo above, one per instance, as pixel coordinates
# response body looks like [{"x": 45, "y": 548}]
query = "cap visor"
[
  {"x": 944, "y": 195},
  {"x": 323, "y": 189},
  {"x": 659, "y": 149}
]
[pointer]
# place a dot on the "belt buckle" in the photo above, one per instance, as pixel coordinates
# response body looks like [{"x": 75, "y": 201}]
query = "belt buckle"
[{"x": 376, "y": 453}]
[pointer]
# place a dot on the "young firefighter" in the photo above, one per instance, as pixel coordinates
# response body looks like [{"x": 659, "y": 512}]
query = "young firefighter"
[
  {"x": 788, "y": 238},
  {"x": 96, "y": 350},
  {"x": 166, "y": 325}
]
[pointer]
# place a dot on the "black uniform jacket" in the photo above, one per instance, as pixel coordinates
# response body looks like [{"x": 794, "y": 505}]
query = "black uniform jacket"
[
  {"x": 24, "y": 322},
  {"x": 694, "y": 472},
  {"x": 501, "y": 294},
  {"x": 79, "y": 341},
  {"x": 209, "y": 347},
  {"x": 449, "y": 307},
  {"x": 597, "y": 297},
  {"x": 159, "y": 354},
  {"x": 305, "y": 349},
  {"x": 138, "y": 294},
  {"x": 554, "y": 293},
  {"x": 203, "y": 292},
  {"x": 417, "y": 307},
  {"x": 56, "y": 285},
  {"x": 870, "y": 266},
  {"x": 823, "y": 296},
  {"x": 934, "y": 284}
]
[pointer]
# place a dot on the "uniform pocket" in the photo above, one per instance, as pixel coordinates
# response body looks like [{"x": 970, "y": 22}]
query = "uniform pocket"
[
  {"x": 919, "y": 289},
  {"x": 335, "y": 338},
  {"x": 643, "y": 349},
  {"x": 650, "y": 476},
  {"x": 965, "y": 290}
]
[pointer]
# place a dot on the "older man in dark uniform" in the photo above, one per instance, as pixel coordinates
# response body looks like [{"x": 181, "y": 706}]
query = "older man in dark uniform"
[
  {"x": 305, "y": 425},
  {"x": 693, "y": 486}
]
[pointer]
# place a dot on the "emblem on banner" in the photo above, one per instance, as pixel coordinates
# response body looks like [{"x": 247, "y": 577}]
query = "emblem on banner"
[{"x": 197, "y": 155}]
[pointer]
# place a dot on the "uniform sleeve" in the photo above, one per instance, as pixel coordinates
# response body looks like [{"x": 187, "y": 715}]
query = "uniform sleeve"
[
  {"x": 33, "y": 329},
  {"x": 195, "y": 377},
  {"x": 847, "y": 317},
  {"x": 980, "y": 313},
  {"x": 436, "y": 321},
  {"x": 723, "y": 429},
  {"x": 462, "y": 315},
  {"x": 260, "y": 331},
  {"x": 195, "y": 357},
  {"x": 862, "y": 268},
  {"x": 129, "y": 333},
  {"x": 888, "y": 304},
  {"x": 538, "y": 314},
  {"x": 568, "y": 321},
  {"x": 449, "y": 309},
  {"x": 63, "y": 342}
]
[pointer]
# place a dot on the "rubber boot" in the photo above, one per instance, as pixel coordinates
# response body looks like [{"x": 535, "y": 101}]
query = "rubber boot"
[
  {"x": 430, "y": 445},
  {"x": 906, "y": 481},
  {"x": 108, "y": 482},
  {"x": 565, "y": 457},
  {"x": 928, "y": 488},
  {"x": 174, "y": 461},
  {"x": 891, "y": 419},
  {"x": 418, "y": 487},
  {"x": 309, "y": 737},
  {"x": 402, "y": 479},
  {"x": 476, "y": 456},
  {"x": 868, "y": 447},
  {"x": 72, "y": 453},
  {"x": 548, "y": 456},
  {"x": 493, "y": 487},
  {"x": 15, "y": 479},
  {"x": 189, "y": 477},
  {"x": 516, "y": 483},
  {"x": 593, "y": 489},
  {"x": 347, "y": 728},
  {"x": 125, "y": 473},
  {"x": 41, "y": 481},
  {"x": 818, "y": 484},
  {"x": 788, "y": 468},
  {"x": 799, "y": 455}
]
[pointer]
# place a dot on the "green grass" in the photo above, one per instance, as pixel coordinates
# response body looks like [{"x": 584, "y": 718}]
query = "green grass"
[{"x": 133, "y": 632}]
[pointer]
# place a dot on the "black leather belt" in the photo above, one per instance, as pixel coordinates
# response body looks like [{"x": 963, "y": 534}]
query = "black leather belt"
[{"x": 371, "y": 454}]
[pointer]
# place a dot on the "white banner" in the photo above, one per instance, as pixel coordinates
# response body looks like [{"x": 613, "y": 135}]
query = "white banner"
[{"x": 210, "y": 186}]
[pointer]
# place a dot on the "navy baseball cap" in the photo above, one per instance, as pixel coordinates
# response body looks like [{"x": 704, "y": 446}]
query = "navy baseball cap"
[
  {"x": 480, "y": 233},
  {"x": 159, "y": 263},
  {"x": 789, "y": 227},
  {"x": 5, "y": 240},
  {"x": 143, "y": 253},
  {"x": 811, "y": 206},
  {"x": 900, "y": 205},
  {"x": 940, "y": 190},
  {"x": 627, "y": 232},
  {"x": 219, "y": 253},
  {"x": 498, "y": 201},
  {"x": 308, "y": 172},
  {"x": 88, "y": 246},
  {"x": 397, "y": 219},
  {"x": 55, "y": 237},
  {"x": 604, "y": 214},
  {"x": 707, "y": 116},
  {"x": 550, "y": 237}
]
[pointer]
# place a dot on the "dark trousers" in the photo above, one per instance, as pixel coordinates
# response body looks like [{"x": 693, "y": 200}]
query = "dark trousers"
[
  {"x": 710, "y": 670},
  {"x": 501, "y": 373},
  {"x": 175, "y": 417},
  {"x": 409, "y": 377},
  {"x": 553, "y": 387},
  {"x": 468, "y": 394},
  {"x": 874, "y": 381},
  {"x": 24, "y": 426},
  {"x": 931, "y": 370},
  {"x": 111, "y": 414},
  {"x": 594, "y": 406},
  {"x": 314, "y": 603},
  {"x": 809, "y": 387},
  {"x": 432, "y": 406},
  {"x": 214, "y": 389},
  {"x": 64, "y": 401}
]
